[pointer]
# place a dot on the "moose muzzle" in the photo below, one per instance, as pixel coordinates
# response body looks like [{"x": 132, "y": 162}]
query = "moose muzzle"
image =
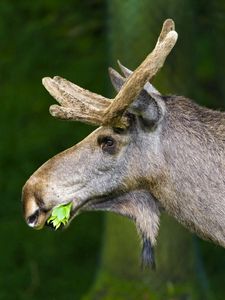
[{"x": 33, "y": 210}]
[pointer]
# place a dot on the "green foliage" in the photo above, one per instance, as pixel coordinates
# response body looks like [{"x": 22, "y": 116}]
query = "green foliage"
[{"x": 60, "y": 215}]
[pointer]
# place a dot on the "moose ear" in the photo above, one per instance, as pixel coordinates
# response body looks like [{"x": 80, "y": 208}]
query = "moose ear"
[
  {"x": 116, "y": 79},
  {"x": 150, "y": 109}
]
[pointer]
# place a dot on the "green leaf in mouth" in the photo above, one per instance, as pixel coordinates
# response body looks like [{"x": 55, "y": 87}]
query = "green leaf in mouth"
[{"x": 60, "y": 215}]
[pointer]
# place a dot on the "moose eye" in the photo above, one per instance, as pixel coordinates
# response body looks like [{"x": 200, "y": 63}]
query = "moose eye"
[{"x": 108, "y": 144}]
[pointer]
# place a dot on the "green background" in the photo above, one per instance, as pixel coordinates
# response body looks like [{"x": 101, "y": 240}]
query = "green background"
[{"x": 98, "y": 256}]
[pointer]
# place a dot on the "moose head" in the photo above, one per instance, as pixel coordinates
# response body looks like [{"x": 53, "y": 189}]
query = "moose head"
[{"x": 150, "y": 152}]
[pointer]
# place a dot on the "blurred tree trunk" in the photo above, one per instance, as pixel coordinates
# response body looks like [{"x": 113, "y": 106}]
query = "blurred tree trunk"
[{"x": 190, "y": 70}]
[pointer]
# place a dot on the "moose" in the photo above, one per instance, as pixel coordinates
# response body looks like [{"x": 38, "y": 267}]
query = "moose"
[{"x": 151, "y": 153}]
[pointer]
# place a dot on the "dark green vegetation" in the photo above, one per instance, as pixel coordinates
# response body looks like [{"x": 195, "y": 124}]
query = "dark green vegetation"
[{"x": 77, "y": 40}]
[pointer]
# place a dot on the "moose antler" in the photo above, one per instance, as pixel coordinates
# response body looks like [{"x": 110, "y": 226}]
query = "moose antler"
[
  {"x": 148, "y": 86},
  {"x": 83, "y": 105}
]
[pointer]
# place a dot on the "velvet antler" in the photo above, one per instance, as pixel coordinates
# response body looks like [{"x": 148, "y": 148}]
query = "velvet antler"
[{"x": 77, "y": 103}]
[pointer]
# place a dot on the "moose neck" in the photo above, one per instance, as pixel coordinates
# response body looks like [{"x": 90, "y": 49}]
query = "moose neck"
[{"x": 192, "y": 186}]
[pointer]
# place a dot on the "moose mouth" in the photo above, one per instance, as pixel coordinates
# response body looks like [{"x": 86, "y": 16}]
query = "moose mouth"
[
  {"x": 103, "y": 203},
  {"x": 37, "y": 215}
]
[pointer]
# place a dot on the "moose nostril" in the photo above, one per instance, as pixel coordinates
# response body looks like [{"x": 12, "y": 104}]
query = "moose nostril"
[{"x": 32, "y": 220}]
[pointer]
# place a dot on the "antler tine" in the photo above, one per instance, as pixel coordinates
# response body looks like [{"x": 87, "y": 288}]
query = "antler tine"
[
  {"x": 148, "y": 68},
  {"x": 76, "y": 103},
  {"x": 68, "y": 93},
  {"x": 77, "y": 92},
  {"x": 78, "y": 113}
]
